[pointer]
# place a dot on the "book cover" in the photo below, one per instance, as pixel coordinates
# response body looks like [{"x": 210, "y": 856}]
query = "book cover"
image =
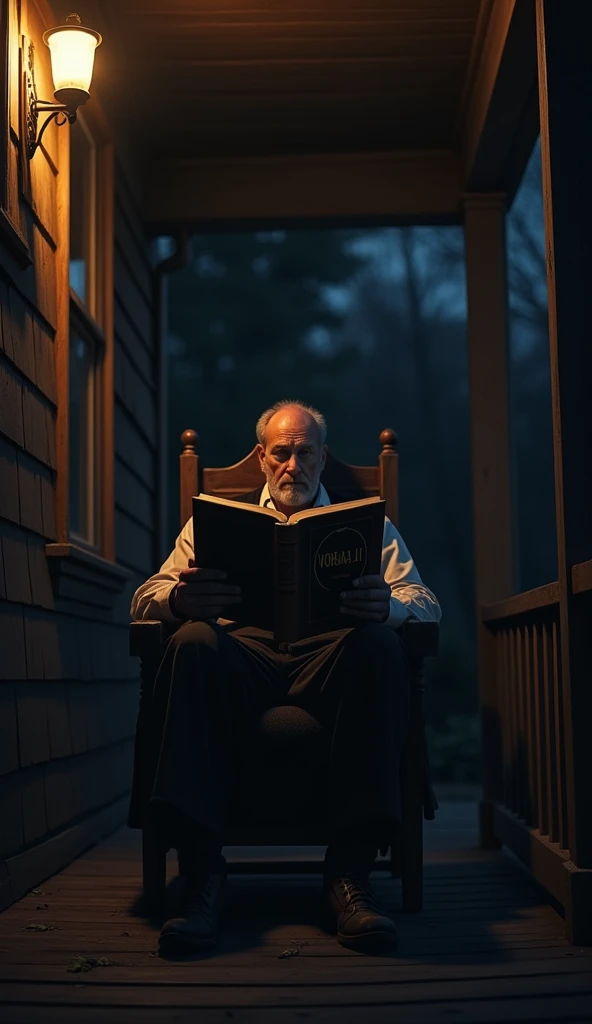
[
  {"x": 291, "y": 571},
  {"x": 331, "y": 549}
]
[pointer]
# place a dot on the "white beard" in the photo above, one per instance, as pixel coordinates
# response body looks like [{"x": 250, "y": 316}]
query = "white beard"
[{"x": 291, "y": 495}]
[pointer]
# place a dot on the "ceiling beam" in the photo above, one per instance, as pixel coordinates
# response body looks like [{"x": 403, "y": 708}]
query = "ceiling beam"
[
  {"x": 498, "y": 119},
  {"x": 395, "y": 187}
]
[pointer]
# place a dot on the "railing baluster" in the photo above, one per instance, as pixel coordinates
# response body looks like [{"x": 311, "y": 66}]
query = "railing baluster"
[
  {"x": 525, "y": 777},
  {"x": 562, "y": 834},
  {"x": 550, "y": 643},
  {"x": 531, "y": 744},
  {"x": 539, "y": 730},
  {"x": 509, "y": 719},
  {"x": 520, "y": 730},
  {"x": 503, "y": 682},
  {"x": 514, "y": 719}
]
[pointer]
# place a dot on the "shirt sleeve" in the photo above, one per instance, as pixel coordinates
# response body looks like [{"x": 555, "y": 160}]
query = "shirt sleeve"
[
  {"x": 151, "y": 599},
  {"x": 410, "y": 598}
]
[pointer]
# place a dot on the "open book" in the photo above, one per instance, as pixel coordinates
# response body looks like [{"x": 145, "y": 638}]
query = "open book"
[{"x": 291, "y": 570}]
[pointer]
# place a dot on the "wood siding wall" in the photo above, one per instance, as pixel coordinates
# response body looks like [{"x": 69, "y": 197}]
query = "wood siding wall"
[{"x": 68, "y": 690}]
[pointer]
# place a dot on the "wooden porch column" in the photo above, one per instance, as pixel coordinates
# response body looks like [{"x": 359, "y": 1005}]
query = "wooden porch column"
[
  {"x": 565, "y": 99},
  {"x": 492, "y": 520}
]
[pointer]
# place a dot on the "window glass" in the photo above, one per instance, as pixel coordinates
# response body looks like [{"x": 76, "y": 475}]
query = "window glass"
[
  {"x": 161, "y": 248},
  {"x": 83, "y": 215},
  {"x": 83, "y": 436}
]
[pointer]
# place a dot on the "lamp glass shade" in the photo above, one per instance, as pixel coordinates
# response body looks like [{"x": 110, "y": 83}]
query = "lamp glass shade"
[{"x": 72, "y": 58}]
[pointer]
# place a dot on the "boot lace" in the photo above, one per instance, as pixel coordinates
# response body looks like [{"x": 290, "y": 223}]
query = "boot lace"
[{"x": 356, "y": 889}]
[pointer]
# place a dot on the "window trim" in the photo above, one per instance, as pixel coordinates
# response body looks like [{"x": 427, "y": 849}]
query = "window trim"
[
  {"x": 10, "y": 233},
  {"x": 100, "y": 328},
  {"x": 82, "y": 577}
]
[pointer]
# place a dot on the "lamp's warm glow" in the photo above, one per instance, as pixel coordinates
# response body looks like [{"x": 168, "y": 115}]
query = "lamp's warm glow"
[
  {"x": 72, "y": 52},
  {"x": 72, "y": 49}
]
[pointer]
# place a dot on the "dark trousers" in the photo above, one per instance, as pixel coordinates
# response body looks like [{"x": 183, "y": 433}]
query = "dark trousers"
[{"x": 214, "y": 682}]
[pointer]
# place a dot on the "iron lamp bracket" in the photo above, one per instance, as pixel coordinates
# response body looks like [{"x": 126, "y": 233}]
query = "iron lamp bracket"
[
  {"x": 61, "y": 113},
  {"x": 57, "y": 112}
]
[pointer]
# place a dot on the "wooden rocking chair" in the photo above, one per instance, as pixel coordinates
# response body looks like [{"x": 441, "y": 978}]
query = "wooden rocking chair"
[{"x": 147, "y": 640}]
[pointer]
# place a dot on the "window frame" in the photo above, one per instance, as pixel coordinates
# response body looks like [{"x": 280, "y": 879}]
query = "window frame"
[
  {"x": 10, "y": 73},
  {"x": 5, "y": 19}
]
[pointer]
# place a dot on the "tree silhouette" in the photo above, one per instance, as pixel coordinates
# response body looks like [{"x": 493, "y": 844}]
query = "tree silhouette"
[{"x": 370, "y": 326}]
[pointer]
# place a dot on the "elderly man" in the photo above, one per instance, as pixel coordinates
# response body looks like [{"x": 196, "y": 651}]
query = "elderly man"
[{"x": 215, "y": 676}]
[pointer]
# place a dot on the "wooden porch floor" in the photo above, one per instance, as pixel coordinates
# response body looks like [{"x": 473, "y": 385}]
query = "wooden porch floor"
[{"x": 487, "y": 947}]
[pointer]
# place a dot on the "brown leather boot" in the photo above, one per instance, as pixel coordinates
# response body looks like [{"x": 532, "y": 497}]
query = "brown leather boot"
[{"x": 350, "y": 904}]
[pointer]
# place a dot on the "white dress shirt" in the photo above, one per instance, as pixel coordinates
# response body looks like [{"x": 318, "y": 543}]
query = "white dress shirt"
[{"x": 410, "y": 598}]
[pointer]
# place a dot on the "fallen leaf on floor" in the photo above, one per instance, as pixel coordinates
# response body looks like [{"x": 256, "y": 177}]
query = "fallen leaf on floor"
[
  {"x": 42, "y": 906},
  {"x": 38, "y": 892},
  {"x": 292, "y": 950},
  {"x": 36, "y": 926},
  {"x": 127, "y": 934},
  {"x": 86, "y": 963}
]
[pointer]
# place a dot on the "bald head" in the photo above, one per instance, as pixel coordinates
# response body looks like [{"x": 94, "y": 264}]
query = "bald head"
[
  {"x": 287, "y": 404},
  {"x": 292, "y": 454},
  {"x": 293, "y": 419}
]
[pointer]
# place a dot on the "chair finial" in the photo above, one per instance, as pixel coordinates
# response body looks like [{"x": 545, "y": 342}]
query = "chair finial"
[
  {"x": 388, "y": 439},
  {"x": 189, "y": 440}
]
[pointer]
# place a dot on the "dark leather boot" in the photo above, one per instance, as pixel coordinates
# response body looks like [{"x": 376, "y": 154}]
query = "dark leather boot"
[
  {"x": 197, "y": 926},
  {"x": 350, "y": 904}
]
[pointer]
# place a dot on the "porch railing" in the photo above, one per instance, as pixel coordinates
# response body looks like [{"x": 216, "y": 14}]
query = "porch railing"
[
  {"x": 530, "y": 709},
  {"x": 526, "y": 710}
]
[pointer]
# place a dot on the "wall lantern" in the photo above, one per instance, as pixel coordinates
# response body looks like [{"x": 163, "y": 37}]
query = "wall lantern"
[{"x": 72, "y": 49}]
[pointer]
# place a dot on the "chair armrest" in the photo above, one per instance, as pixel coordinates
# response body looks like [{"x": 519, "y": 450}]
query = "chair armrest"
[
  {"x": 146, "y": 639},
  {"x": 420, "y": 638}
]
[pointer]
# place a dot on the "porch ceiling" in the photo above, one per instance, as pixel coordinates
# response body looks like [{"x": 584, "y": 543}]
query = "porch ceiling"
[
  {"x": 392, "y": 96},
  {"x": 262, "y": 77}
]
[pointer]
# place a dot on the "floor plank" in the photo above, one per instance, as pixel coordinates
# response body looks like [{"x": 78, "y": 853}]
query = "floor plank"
[{"x": 488, "y": 947}]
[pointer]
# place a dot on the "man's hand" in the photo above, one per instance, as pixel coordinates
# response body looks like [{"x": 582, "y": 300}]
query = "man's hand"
[
  {"x": 203, "y": 594},
  {"x": 369, "y": 600}
]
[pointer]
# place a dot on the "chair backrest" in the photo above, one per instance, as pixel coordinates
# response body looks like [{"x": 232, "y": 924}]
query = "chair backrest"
[{"x": 350, "y": 482}]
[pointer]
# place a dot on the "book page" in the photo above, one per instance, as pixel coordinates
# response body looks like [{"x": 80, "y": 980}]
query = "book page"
[
  {"x": 246, "y": 506},
  {"x": 342, "y": 506}
]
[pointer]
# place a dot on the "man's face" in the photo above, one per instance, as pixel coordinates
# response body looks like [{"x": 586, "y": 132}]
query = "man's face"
[{"x": 293, "y": 458}]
